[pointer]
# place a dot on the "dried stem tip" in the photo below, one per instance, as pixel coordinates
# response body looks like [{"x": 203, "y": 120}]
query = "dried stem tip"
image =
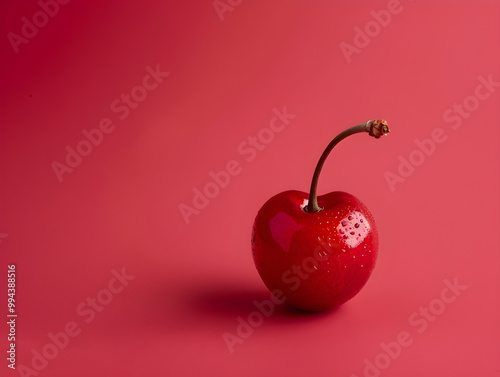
[{"x": 377, "y": 128}]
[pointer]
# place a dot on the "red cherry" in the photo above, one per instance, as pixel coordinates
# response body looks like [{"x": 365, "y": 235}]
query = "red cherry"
[{"x": 317, "y": 253}]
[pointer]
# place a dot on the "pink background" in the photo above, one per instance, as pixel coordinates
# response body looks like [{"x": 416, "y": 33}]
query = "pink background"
[{"x": 119, "y": 207}]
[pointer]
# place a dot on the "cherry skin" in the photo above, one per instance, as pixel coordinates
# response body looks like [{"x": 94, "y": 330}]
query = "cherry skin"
[
  {"x": 316, "y": 252},
  {"x": 318, "y": 260}
]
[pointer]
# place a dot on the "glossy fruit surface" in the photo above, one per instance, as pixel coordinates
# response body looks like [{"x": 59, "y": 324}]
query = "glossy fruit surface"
[{"x": 318, "y": 260}]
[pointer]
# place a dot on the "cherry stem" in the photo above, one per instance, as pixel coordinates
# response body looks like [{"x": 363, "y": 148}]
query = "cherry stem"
[{"x": 375, "y": 128}]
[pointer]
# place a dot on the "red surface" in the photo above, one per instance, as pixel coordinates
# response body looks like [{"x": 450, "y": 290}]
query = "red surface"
[{"x": 431, "y": 306}]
